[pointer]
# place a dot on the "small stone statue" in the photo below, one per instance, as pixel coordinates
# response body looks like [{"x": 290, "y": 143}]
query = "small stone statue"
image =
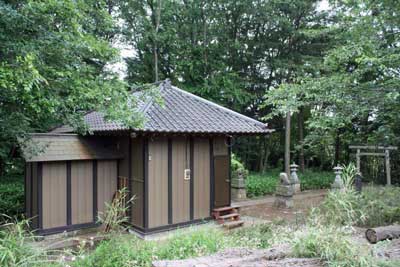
[
  {"x": 284, "y": 179},
  {"x": 284, "y": 192},
  {"x": 338, "y": 183},
  {"x": 294, "y": 178}
]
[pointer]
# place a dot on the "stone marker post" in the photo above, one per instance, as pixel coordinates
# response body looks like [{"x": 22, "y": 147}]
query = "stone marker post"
[
  {"x": 239, "y": 186},
  {"x": 338, "y": 183},
  {"x": 284, "y": 192},
  {"x": 294, "y": 178},
  {"x": 358, "y": 182}
]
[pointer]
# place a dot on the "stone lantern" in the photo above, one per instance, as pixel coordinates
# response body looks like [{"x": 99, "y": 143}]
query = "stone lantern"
[
  {"x": 294, "y": 179},
  {"x": 338, "y": 183}
]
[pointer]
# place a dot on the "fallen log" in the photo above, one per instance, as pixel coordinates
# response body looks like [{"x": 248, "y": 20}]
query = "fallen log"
[{"x": 375, "y": 235}]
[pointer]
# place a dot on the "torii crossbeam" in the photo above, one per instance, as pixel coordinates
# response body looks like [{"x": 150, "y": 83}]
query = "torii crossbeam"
[{"x": 385, "y": 153}]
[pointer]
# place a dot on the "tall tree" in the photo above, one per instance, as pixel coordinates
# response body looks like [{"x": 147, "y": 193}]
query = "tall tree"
[
  {"x": 227, "y": 51},
  {"x": 53, "y": 67}
]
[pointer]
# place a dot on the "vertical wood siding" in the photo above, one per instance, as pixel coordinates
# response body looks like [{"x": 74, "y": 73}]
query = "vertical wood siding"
[
  {"x": 106, "y": 183},
  {"x": 28, "y": 191},
  {"x": 123, "y": 147},
  {"x": 137, "y": 182},
  {"x": 82, "y": 191},
  {"x": 158, "y": 182},
  {"x": 201, "y": 176},
  {"x": 34, "y": 193},
  {"x": 180, "y": 186},
  {"x": 54, "y": 195}
]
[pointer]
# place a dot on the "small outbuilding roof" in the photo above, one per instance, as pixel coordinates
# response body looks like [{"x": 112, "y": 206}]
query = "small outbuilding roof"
[
  {"x": 182, "y": 112},
  {"x": 58, "y": 147}
]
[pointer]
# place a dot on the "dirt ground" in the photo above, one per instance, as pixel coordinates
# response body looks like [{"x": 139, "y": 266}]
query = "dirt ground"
[{"x": 265, "y": 209}]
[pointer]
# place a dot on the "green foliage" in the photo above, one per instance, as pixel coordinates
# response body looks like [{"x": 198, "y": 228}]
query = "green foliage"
[
  {"x": 332, "y": 245},
  {"x": 375, "y": 206},
  {"x": 237, "y": 167},
  {"x": 313, "y": 179},
  {"x": 341, "y": 208},
  {"x": 16, "y": 248},
  {"x": 115, "y": 215},
  {"x": 12, "y": 196},
  {"x": 53, "y": 68},
  {"x": 130, "y": 251},
  {"x": 381, "y": 205},
  {"x": 348, "y": 176},
  {"x": 261, "y": 184},
  {"x": 264, "y": 184}
]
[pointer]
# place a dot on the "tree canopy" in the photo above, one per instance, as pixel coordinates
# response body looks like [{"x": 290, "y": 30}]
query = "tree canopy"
[{"x": 336, "y": 70}]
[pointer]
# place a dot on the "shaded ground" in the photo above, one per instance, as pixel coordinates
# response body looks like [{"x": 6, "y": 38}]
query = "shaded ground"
[
  {"x": 263, "y": 208},
  {"x": 242, "y": 257}
]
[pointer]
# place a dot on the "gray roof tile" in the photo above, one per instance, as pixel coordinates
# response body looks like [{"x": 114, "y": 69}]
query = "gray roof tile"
[{"x": 182, "y": 112}]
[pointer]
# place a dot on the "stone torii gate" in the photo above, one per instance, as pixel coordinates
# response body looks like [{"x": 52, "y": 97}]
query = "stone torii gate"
[{"x": 385, "y": 152}]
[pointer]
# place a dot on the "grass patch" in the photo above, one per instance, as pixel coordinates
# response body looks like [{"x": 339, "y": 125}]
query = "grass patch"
[
  {"x": 122, "y": 250},
  {"x": 381, "y": 205},
  {"x": 16, "y": 247},
  {"x": 261, "y": 184}
]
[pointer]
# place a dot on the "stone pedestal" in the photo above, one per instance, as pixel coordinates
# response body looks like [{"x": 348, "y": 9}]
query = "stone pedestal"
[
  {"x": 294, "y": 178},
  {"x": 338, "y": 183},
  {"x": 284, "y": 192},
  {"x": 238, "y": 187}
]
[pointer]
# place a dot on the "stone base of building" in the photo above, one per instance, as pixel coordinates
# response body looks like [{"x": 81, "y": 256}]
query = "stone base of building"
[
  {"x": 238, "y": 194},
  {"x": 283, "y": 202},
  {"x": 297, "y": 188}
]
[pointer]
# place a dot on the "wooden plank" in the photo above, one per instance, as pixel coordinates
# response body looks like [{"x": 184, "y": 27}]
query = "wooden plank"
[
  {"x": 371, "y": 154},
  {"x": 374, "y": 147}
]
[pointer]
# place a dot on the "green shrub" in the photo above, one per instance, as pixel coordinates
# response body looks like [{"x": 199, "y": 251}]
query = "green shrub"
[
  {"x": 312, "y": 179},
  {"x": 260, "y": 184},
  {"x": 238, "y": 167},
  {"x": 341, "y": 208},
  {"x": 12, "y": 196},
  {"x": 381, "y": 205}
]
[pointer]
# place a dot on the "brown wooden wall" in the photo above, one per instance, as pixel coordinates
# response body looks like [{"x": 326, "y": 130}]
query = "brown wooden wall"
[
  {"x": 67, "y": 192},
  {"x": 137, "y": 181},
  {"x": 54, "y": 195},
  {"x": 82, "y": 192},
  {"x": 180, "y": 187},
  {"x": 158, "y": 182},
  {"x": 170, "y": 198},
  {"x": 28, "y": 191},
  {"x": 201, "y": 178},
  {"x": 106, "y": 183}
]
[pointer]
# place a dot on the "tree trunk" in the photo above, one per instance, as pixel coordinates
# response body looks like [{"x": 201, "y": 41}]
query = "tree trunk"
[
  {"x": 375, "y": 235},
  {"x": 300, "y": 121},
  {"x": 337, "y": 148},
  {"x": 287, "y": 144},
  {"x": 155, "y": 43}
]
